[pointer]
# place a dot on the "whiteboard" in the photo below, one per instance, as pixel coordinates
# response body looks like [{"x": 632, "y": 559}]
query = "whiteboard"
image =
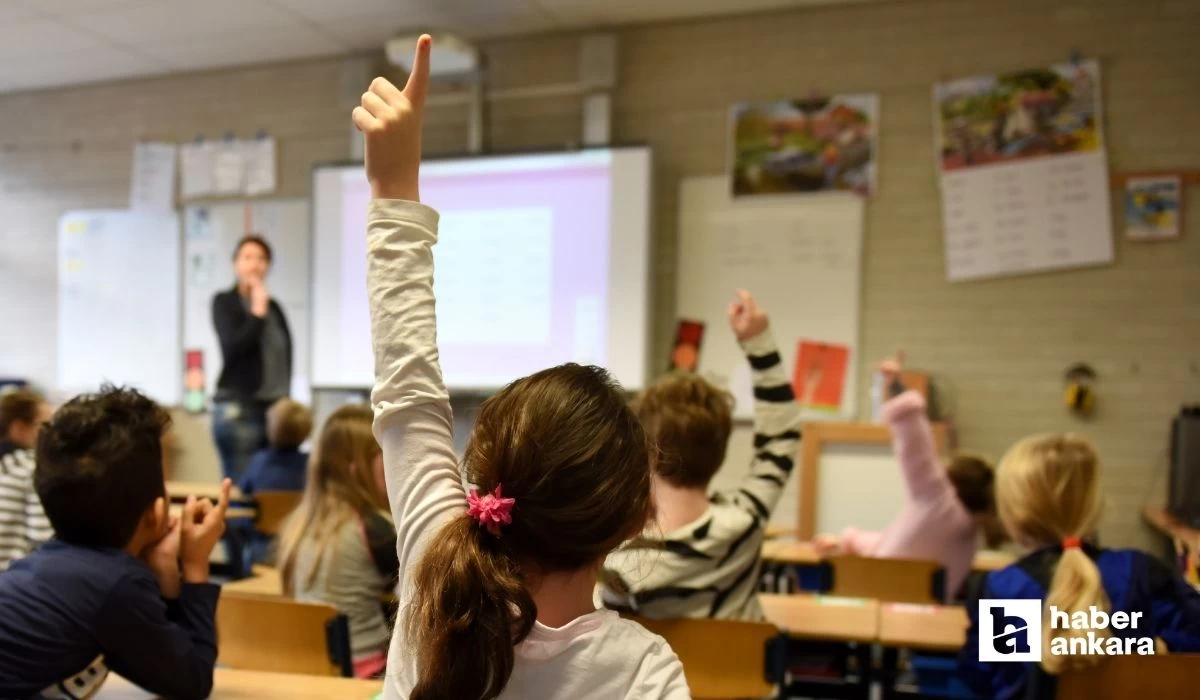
[
  {"x": 210, "y": 233},
  {"x": 801, "y": 257},
  {"x": 118, "y": 302}
]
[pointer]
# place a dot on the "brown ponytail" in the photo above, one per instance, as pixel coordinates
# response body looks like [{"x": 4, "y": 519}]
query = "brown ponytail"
[{"x": 563, "y": 443}]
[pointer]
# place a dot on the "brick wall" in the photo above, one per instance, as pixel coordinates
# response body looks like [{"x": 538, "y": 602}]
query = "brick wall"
[{"x": 998, "y": 347}]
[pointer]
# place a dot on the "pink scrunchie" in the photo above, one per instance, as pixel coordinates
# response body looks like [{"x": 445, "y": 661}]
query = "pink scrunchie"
[{"x": 490, "y": 510}]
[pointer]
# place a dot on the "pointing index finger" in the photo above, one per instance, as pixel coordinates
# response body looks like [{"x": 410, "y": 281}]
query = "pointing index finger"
[
  {"x": 418, "y": 80},
  {"x": 223, "y": 501}
]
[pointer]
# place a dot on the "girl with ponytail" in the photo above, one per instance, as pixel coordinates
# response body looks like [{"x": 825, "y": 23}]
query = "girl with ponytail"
[
  {"x": 496, "y": 581},
  {"x": 1048, "y": 498}
]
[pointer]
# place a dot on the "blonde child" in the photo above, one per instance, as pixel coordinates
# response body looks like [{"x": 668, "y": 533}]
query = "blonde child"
[
  {"x": 945, "y": 507},
  {"x": 1048, "y": 497},
  {"x": 496, "y": 591},
  {"x": 339, "y": 546}
]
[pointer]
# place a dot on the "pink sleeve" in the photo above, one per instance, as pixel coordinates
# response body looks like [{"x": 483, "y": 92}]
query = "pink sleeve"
[
  {"x": 912, "y": 443},
  {"x": 860, "y": 542}
]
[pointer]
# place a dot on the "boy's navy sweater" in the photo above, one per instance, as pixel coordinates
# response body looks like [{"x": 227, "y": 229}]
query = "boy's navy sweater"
[{"x": 69, "y": 614}]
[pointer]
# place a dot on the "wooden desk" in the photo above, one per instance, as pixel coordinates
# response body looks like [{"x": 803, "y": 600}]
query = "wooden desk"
[
  {"x": 927, "y": 627},
  {"x": 803, "y": 554},
  {"x": 180, "y": 490},
  {"x": 229, "y": 684},
  {"x": 772, "y": 532},
  {"x": 1166, "y": 523},
  {"x": 266, "y": 582},
  {"x": 822, "y": 617},
  {"x": 233, "y": 513}
]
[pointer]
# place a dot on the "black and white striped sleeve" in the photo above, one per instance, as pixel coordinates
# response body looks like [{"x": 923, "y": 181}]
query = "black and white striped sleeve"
[{"x": 776, "y": 429}]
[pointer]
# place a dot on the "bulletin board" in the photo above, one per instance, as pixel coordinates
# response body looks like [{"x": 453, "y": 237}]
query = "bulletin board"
[{"x": 801, "y": 257}]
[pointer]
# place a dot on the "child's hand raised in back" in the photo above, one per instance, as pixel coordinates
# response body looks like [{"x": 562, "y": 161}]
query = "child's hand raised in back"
[
  {"x": 890, "y": 370},
  {"x": 390, "y": 120},
  {"x": 745, "y": 318},
  {"x": 201, "y": 527}
]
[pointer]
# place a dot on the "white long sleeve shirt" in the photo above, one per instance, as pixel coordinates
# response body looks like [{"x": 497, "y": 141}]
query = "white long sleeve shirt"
[{"x": 598, "y": 656}]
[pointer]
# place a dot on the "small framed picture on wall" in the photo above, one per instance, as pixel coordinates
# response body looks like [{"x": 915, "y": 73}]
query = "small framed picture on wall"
[{"x": 1153, "y": 207}]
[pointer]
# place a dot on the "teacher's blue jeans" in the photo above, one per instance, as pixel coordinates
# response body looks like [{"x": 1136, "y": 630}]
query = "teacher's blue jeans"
[{"x": 239, "y": 430}]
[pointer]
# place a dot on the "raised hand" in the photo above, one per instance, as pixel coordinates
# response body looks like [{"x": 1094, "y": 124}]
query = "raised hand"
[
  {"x": 260, "y": 299},
  {"x": 390, "y": 120},
  {"x": 201, "y": 527},
  {"x": 745, "y": 318},
  {"x": 890, "y": 369}
]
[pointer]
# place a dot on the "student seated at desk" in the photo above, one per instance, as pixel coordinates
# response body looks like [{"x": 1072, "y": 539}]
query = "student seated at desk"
[
  {"x": 701, "y": 557},
  {"x": 339, "y": 545},
  {"x": 23, "y": 524},
  {"x": 281, "y": 466},
  {"x": 1048, "y": 496},
  {"x": 945, "y": 507},
  {"x": 109, "y": 592},
  {"x": 496, "y": 590}
]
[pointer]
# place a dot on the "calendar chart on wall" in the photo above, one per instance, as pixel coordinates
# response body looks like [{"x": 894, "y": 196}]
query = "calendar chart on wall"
[{"x": 1024, "y": 174}]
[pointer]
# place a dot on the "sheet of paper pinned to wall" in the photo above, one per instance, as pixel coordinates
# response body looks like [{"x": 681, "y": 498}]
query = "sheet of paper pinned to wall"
[
  {"x": 114, "y": 325},
  {"x": 229, "y": 167},
  {"x": 259, "y": 156},
  {"x": 801, "y": 257},
  {"x": 1024, "y": 175},
  {"x": 152, "y": 186},
  {"x": 196, "y": 170}
]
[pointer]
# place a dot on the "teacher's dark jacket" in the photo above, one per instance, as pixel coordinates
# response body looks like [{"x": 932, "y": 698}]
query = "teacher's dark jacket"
[{"x": 240, "y": 334}]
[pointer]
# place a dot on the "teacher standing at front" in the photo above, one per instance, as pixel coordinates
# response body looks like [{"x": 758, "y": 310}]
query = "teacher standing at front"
[{"x": 256, "y": 349}]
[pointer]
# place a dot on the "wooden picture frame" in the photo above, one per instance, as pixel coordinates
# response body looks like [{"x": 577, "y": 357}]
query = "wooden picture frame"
[{"x": 819, "y": 434}]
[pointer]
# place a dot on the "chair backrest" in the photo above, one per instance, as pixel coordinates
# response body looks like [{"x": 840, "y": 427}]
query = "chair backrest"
[
  {"x": 273, "y": 633},
  {"x": 887, "y": 580},
  {"x": 273, "y": 509},
  {"x": 1159, "y": 676},
  {"x": 721, "y": 659}
]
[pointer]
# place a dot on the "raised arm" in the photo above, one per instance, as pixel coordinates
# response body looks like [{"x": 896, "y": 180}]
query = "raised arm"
[
  {"x": 912, "y": 436},
  {"x": 776, "y": 413},
  {"x": 412, "y": 408}
]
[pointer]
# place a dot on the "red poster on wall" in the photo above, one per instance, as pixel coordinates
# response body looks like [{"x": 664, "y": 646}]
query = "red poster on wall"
[{"x": 820, "y": 375}]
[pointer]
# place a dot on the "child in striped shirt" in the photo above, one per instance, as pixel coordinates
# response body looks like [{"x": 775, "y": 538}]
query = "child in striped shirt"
[
  {"x": 23, "y": 523},
  {"x": 700, "y": 556}
]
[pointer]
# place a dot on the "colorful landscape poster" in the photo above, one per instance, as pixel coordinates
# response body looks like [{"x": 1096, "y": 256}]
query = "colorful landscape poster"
[
  {"x": 810, "y": 145},
  {"x": 1013, "y": 116},
  {"x": 819, "y": 380},
  {"x": 1153, "y": 207}
]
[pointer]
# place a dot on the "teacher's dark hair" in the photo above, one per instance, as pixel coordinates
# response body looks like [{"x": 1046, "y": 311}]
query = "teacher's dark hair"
[{"x": 253, "y": 239}]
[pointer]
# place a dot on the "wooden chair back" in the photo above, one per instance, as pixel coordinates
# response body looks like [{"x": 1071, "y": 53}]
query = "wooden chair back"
[
  {"x": 722, "y": 659},
  {"x": 886, "y": 580},
  {"x": 273, "y": 633},
  {"x": 273, "y": 509}
]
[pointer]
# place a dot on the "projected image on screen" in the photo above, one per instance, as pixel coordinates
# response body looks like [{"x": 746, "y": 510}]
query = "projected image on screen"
[{"x": 540, "y": 260}]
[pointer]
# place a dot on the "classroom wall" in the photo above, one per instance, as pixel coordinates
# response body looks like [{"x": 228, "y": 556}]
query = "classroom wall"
[{"x": 997, "y": 348}]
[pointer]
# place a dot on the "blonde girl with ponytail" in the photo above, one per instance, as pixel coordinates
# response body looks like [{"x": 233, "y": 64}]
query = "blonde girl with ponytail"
[
  {"x": 496, "y": 581},
  {"x": 1048, "y": 499}
]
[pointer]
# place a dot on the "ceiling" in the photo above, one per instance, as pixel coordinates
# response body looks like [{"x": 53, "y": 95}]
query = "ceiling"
[{"x": 45, "y": 43}]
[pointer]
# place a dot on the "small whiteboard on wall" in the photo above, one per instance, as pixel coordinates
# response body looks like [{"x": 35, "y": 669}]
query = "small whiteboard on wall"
[
  {"x": 118, "y": 302},
  {"x": 211, "y": 232},
  {"x": 801, "y": 257}
]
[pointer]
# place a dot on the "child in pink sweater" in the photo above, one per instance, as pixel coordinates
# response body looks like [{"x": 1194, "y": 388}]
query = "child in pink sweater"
[{"x": 945, "y": 508}]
